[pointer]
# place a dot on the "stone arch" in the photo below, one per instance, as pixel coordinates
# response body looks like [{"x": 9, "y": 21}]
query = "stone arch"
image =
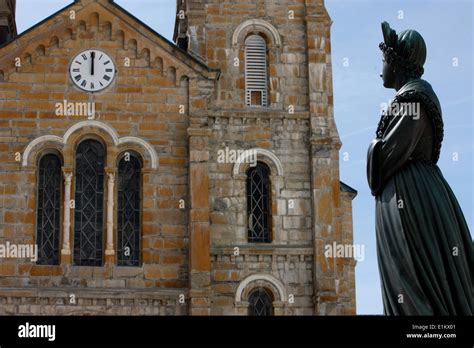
[
  {"x": 40, "y": 50},
  {"x": 158, "y": 64},
  {"x": 48, "y": 150},
  {"x": 183, "y": 81},
  {"x": 263, "y": 155},
  {"x": 27, "y": 58},
  {"x": 84, "y": 134},
  {"x": 91, "y": 128},
  {"x": 256, "y": 25},
  {"x": 93, "y": 124},
  {"x": 145, "y": 55},
  {"x": 142, "y": 144},
  {"x": 54, "y": 42},
  {"x": 257, "y": 280},
  {"x": 37, "y": 145},
  {"x": 136, "y": 151}
]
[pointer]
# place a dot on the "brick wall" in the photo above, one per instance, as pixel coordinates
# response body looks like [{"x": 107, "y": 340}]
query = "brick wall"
[
  {"x": 186, "y": 112},
  {"x": 144, "y": 101}
]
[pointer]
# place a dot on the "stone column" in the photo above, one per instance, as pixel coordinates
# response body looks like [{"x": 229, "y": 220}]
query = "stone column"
[
  {"x": 66, "y": 247},
  {"x": 199, "y": 226},
  {"x": 109, "y": 248},
  {"x": 324, "y": 147}
]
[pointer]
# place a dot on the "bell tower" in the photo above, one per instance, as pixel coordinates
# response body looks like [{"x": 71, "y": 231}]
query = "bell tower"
[
  {"x": 275, "y": 91},
  {"x": 7, "y": 21},
  {"x": 189, "y": 31}
]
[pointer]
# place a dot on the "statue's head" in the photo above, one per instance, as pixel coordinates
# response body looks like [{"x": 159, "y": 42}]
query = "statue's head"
[{"x": 404, "y": 55}]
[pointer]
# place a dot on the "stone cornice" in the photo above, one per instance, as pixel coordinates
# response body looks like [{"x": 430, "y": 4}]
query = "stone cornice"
[{"x": 248, "y": 249}]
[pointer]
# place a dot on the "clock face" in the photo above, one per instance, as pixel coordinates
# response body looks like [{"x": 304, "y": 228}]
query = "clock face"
[{"x": 92, "y": 70}]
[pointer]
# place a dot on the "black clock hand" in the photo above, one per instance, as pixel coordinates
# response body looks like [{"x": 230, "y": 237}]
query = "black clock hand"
[{"x": 92, "y": 65}]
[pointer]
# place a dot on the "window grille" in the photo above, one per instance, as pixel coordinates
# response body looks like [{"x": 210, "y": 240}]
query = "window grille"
[
  {"x": 258, "y": 204},
  {"x": 88, "y": 213},
  {"x": 129, "y": 192},
  {"x": 260, "y": 303},
  {"x": 48, "y": 210}
]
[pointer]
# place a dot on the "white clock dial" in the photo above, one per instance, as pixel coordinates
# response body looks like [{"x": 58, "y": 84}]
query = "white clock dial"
[{"x": 92, "y": 70}]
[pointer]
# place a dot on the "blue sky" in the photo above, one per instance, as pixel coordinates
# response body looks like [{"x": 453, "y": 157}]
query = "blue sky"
[
  {"x": 358, "y": 92},
  {"x": 447, "y": 27}
]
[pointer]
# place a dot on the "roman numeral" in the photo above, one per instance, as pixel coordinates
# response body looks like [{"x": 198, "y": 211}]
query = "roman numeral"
[
  {"x": 101, "y": 56},
  {"x": 107, "y": 62},
  {"x": 84, "y": 83},
  {"x": 78, "y": 78},
  {"x": 76, "y": 70},
  {"x": 109, "y": 70},
  {"x": 101, "y": 84},
  {"x": 106, "y": 77},
  {"x": 84, "y": 57},
  {"x": 92, "y": 85},
  {"x": 77, "y": 62}
]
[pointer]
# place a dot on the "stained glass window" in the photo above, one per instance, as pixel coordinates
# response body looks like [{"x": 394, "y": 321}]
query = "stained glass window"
[
  {"x": 129, "y": 195},
  {"x": 89, "y": 196},
  {"x": 48, "y": 210}
]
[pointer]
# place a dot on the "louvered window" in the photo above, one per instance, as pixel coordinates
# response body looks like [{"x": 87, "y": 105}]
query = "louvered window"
[
  {"x": 256, "y": 92},
  {"x": 48, "y": 213}
]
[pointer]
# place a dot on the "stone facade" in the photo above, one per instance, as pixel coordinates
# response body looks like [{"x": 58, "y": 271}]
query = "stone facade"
[{"x": 177, "y": 108}]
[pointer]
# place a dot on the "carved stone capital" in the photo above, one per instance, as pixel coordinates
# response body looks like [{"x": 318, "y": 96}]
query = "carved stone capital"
[
  {"x": 67, "y": 175},
  {"x": 111, "y": 178}
]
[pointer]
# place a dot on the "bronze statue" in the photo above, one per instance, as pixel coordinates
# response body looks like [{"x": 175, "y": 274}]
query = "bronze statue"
[{"x": 424, "y": 247}]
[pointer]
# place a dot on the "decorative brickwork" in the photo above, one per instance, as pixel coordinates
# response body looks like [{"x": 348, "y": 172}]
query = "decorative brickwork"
[{"x": 176, "y": 111}]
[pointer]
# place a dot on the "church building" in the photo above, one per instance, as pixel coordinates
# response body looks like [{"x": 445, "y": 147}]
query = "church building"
[{"x": 140, "y": 176}]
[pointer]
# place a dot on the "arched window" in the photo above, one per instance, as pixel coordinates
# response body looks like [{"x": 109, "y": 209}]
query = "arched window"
[
  {"x": 48, "y": 210},
  {"x": 260, "y": 302},
  {"x": 256, "y": 86},
  {"x": 89, "y": 196},
  {"x": 258, "y": 204},
  {"x": 129, "y": 197}
]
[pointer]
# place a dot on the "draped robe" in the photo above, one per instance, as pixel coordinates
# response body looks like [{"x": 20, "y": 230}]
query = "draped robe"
[{"x": 424, "y": 247}]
